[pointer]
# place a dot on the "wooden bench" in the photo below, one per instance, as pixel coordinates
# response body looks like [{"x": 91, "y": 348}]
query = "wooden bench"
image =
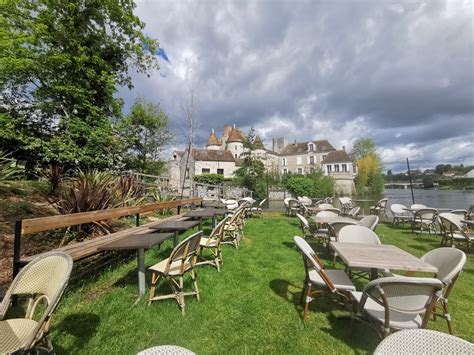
[{"x": 87, "y": 248}]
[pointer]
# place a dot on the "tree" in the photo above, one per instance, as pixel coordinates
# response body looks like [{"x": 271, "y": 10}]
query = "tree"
[
  {"x": 362, "y": 147},
  {"x": 369, "y": 178},
  {"x": 60, "y": 65},
  {"x": 145, "y": 132}
]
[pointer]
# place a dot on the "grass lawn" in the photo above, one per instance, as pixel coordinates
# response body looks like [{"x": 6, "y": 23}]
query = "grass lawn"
[{"x": 251, "y": 306}]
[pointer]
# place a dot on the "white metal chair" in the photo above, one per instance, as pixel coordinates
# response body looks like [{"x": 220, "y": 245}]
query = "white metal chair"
[
  {"x": 323, "y": 280},
  {"x": 325, "y": 206},
  {"x": 395, "y": 303},
  {"x": 42, "y": 282},
  {"x": 423, "y": 341},
  {"x": 180, "y": 262},
  {"x": 460, "y": 212},
  {"x": 370, "y": 222}
]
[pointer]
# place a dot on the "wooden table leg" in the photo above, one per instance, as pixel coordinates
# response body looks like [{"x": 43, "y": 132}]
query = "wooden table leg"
[
  {"x": 176, "y": 238},
  {"x": 214, "y": 221},
  {"x": 373, "y": 274}
]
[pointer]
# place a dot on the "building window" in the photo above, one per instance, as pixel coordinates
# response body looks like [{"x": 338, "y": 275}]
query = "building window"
[
  {"x": 236, "y": 156},
  {"x": 311, "y": 170},
  {"x": 324, "y": 157},
  {"x": 329, "y": 169},
  {"x": 300, "y": 171},
  {"x": 298, "y": 161},
  {"x": 220, "y": 171},
  {"x": 235, "y": 147},
  {"x": 311, "y": 159},
  {"x": 336, "y": 168},
  {"x": 344, "y": 168},
  {"x": 311, "y": 147},
  {"x": 186, "y": 174},
  {"x": 206, "y": 171},
  {"x": 285, "y": 171},
  {"x": 283, "y": 162}
]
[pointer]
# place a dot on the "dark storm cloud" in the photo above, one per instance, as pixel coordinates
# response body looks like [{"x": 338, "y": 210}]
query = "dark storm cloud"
[{"x": 398, "y": 72}]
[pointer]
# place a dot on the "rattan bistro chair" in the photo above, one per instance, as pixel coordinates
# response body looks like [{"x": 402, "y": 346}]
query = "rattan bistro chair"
[
  {"x": 395, "y": 303},
  {"x": 233, "y": 228},
  {"x": 43, "y": 280},
  {"x": 400, "y": 214},
  {"x": 424, "y": 218},
  {"x": 379, "y": 208},
  {"x": 369, "y": 221},
  {"x": 213, "y": 244},
  {"x": 333, "y": 281},
  {"x": 453, "y": 232},
  {"x": 450, "y": 262},
  {"x": 180, "y": 262},
  {"x": 423, "y": 341}
]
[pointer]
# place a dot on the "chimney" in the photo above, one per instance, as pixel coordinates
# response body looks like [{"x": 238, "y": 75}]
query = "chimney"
[{"x": 344, "y": 148}]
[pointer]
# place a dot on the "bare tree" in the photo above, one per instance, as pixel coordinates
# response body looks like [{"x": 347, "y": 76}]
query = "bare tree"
[{"x": 192, "y": 125}]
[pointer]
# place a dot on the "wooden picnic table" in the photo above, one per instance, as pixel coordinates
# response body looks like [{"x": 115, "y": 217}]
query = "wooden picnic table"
[
  {"x": 176, "y": 227},
  {"x": 379, "y": 256},
  {"x": 138, "y": 242}
]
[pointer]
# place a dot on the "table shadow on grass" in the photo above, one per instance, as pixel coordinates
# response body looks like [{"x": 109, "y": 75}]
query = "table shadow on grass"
[{"x": 80, "y": 326}]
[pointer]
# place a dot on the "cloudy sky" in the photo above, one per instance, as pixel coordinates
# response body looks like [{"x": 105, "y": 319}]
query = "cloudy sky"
[{"x": 399, "y": 72}]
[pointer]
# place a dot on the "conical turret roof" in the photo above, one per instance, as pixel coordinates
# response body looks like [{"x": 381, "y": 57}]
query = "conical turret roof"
[
  {"x": 213, "y": 140},
  {"x": 257, "y": 143},
  {"x": 234, "y": 136}
]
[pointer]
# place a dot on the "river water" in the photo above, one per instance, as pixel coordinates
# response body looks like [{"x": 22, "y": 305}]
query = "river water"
[{"x": 441, "y": 199}]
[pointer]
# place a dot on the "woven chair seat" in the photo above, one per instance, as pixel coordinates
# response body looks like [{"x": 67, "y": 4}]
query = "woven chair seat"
[
  {"x": 423, "y": 341},
  {"x": 338, "y": 277},
  {"x": 398, "y": 320},
  {"x": 208, "y": 242},
  {"x": 174, "y": 267},
  {"x": 15, "y": 333},
  {"x": 166, "y": 350}
]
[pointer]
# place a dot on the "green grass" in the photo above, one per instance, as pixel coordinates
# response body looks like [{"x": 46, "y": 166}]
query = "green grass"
[{"x": 251, "y": 306}]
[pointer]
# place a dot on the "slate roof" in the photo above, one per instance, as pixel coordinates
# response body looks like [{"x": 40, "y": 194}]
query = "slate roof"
[
  {"x": 213, "y": 155},
  {"x": 337, "y": 156},
  {"x": 302, "y": 147}
]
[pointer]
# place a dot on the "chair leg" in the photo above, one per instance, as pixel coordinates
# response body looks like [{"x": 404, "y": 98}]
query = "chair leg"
[
  {"x": 447, "y": 316},
  {"x": 181, "y": 295},
  {"x": 195, "y": 285},
  {"x": 154, "y": 280},
  {"x": 306, "y": 303}
]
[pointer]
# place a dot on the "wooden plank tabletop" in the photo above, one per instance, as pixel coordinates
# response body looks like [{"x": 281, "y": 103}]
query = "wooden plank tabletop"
[
  {"x": 175, "y": 225},
  {"x": 325, "y": 220},
  {"x": 206, "y": 212},
  {"x": 379, "y": 257},
  {"x": 139, "y": 241}
]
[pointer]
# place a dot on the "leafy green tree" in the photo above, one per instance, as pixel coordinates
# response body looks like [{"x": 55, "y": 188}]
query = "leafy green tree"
[
  {"x": 369, "y": 179},
  {"x": 60, "y": 65},
  {"x": 145, "y": 132},
  {"x": 312, "y": 185},
  {"x": 362, "y": 147}
]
